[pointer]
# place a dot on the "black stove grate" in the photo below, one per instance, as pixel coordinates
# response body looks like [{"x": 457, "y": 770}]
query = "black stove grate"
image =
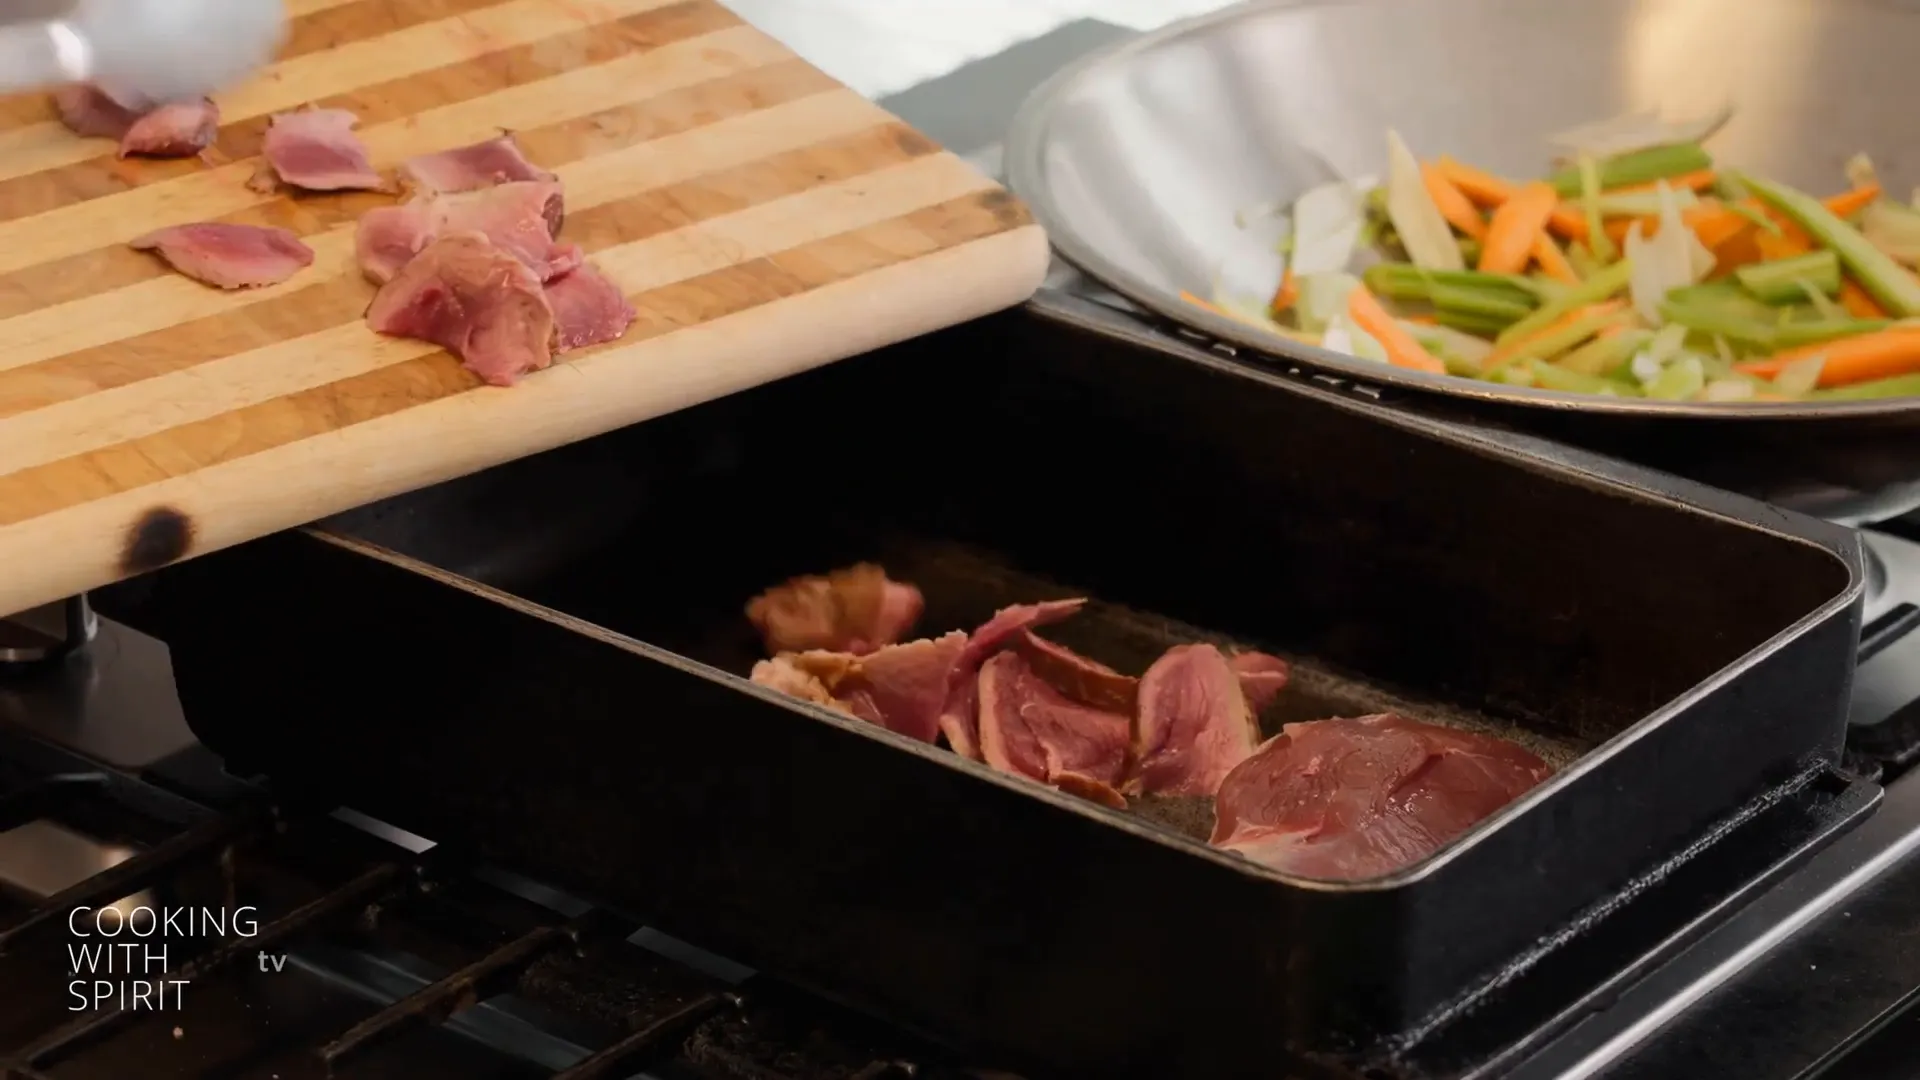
[{"x": 481, "y": 961}]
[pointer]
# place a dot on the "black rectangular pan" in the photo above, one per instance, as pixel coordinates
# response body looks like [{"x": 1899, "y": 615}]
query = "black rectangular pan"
[{"x": 543, "y": 663}]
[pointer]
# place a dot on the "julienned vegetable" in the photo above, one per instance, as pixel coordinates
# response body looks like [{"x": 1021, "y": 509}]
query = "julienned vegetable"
[{"x": 1639, "y": 268}]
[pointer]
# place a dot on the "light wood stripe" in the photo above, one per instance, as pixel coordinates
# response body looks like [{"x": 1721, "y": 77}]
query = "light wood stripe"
[
  {"x": 652, "y": 143},
  {"x": 292, "y": 83},
  {"x": 312, "y": 335},
  {"x": 212, "y": 193},
  {"x": 732, "y": 265},
  {"x": 103, "y": 175}
]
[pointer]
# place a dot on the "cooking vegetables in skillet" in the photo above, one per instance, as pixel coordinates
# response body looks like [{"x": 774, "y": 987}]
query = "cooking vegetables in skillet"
[{"x": 1638, "y": 267}]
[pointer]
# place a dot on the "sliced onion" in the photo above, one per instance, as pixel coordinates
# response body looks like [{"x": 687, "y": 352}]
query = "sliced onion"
[
  {"x": 1423, "y": 230},
  {"x": 1637, "y": 131},
  {"x": 1326, "y": 226},
  {"x": 1802, "y": 375}
]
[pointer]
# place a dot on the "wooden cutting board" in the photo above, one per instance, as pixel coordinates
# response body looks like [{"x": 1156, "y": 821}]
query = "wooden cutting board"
[{"x": 763, "y": 218}]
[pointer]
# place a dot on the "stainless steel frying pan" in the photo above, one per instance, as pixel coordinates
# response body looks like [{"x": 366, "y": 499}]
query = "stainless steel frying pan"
[{"x": 1138, "y": 158}]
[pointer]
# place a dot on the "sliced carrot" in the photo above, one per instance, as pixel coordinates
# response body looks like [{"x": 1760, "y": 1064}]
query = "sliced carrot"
[
  {"x": 1197, "y": 302},
  {"x": 1453, "y": 203},
  {"x": 1422, "y": 320},
  {"x": 1553, "y": 261},
  {"x": 1782, "y": 245},
  {"x": 1484, "y": 188},
  {"x": 1859, "y": 302},
  {"x": 1402, "y": 349},
  {"x": 1487, "y": 190},
  {"x": 1699, "y": 180},
  {"x": 1285, "y": 295},
  {"x": 1516, "y": 226},
  {"x": 1848, "y": 203},
  {"x": 1895, "y": 351}
]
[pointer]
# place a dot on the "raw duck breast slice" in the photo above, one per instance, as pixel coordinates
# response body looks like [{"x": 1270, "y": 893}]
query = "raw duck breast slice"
[
  {"x": 960, "y": 720},
  {"x": 589, "y": 309},
  {"x": 316, "y": 149},
  {"x": 1080, "y": 678},
  {"x": 517, "y": 218},
  {"x": 229, "y": 256},
  {"x": 899, "y": 687},
  {"x": 1028, "y": 728},
  {"x": 1262, "y": 677},
  {"x": 1352, "y": 799},
  {"x": 182, "y": 129},
  {"x": 856, "y": 610},
  {"x": 474, "y": 300},
  {"x": 1193, "y": 724},
  {"x": 470, "y": 168}
]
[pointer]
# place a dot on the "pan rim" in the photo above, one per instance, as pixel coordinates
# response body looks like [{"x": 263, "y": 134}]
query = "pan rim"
[{"x": 1025, "y": 167}]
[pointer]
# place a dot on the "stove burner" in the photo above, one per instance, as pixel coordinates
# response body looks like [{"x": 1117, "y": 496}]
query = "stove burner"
[{"x": 48, "y": 633}]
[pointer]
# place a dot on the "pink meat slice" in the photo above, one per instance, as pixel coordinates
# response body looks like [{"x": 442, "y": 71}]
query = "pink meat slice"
[
  {"x": 857, "y": 610},
  {"x": 1352, "y": 799},
  {"x": 181, "y": 129},
  {"x": 474, "y": 300},
  {"x": 900, "y": 687},
  {"x": 1028, "y": 728},
  {"x": 1193, "y": 724},
  {"x": 316, "y": 149},
  {"x": 960, "y": 720},
  {"x": 589, "y": 309},
  {"x": 470, "y": 168},
  {"x": 229, "y": 256},
  {"x": 1262, "y": 677},
  {"x": 1080, "y": 678},
  {"x": 514, "y": 217}
]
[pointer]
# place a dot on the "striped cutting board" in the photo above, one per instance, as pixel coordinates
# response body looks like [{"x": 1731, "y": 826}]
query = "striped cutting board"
[{"x": 763, "y": 218}]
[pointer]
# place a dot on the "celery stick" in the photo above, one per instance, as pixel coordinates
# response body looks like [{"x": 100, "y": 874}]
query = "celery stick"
[
  {"x": 1555, "y": 377},
  {"x": 1585, "y": 263},
  {"x": 1478, "y": 325},
  {"x": 1729, "y": 188},
  {"x": 1896, "y": 386},
  {"x": 1712, "y": 319},
  {"x": 1491, "y": 304},
  {"x": 1556, "y": 341},
  {"x": 1597, "y": 239},
  {"x": 1638, "y": 167},
  {"x": 1791, "y": 334},
  {"x": 1404, "y": 281},
  {"x": 1469, "y": 250},
  {"x": 1778, "y": 281},
  {"x": 1726, "y": 294},
  {"x": 1607, "y": 355},
  {"x": 1897, "y": 290},
  {"x": 1600, "y": 286}
]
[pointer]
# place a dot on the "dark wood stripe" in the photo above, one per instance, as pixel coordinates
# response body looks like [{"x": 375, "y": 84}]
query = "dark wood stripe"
[
  {"x": 310, "y": 33},
  {"x": 616, "y": 128},
  {"x": 104, "y": 175},
  {"x": 344, "y": 299},
  {"x": 186, "y": 449}
]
